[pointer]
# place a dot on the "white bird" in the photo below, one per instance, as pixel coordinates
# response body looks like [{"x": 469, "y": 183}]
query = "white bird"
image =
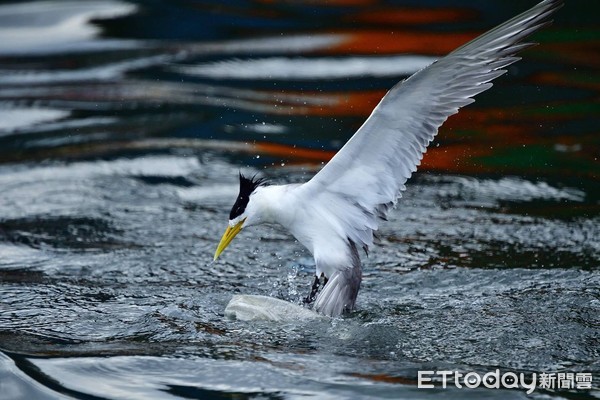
[{"x": 335, "y": 213}]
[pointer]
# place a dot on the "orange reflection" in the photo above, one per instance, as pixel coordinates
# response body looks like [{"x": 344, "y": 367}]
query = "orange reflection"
[
  {"x": 334, "y": 3},
  {"x": 584, "y": 53},
  {"x": 385, "y": 42},
  {"x": 412, "y": 16},
  {"x": 293, "y": 152},
  {"x": 348, "y": 104},
  {"x": 459, "y": 157},
  {"x": 495, "y": 125},
  {"x": 582, "y": 81},
  {"x": 385, "y": 378}
]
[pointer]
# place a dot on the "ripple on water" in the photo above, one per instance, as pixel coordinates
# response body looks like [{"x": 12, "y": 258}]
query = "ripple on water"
[{"x": 428, "y": 298}]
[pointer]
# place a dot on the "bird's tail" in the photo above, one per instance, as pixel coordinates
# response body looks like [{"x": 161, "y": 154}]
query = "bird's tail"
[{"x": 339, "y": 294}]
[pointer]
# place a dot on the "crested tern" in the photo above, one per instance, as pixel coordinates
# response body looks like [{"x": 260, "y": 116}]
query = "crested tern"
[{"x": 335, "y": 213}]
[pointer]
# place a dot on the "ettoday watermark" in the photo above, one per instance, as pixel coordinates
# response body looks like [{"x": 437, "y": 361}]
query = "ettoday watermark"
[{"x": 507, "y": 380}]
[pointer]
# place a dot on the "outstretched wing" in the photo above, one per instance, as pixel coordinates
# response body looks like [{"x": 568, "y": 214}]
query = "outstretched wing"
[{"x": 366, "y": 177}]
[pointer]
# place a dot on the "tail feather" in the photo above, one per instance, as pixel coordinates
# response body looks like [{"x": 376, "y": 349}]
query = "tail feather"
[{"x": 339, "y": 294}]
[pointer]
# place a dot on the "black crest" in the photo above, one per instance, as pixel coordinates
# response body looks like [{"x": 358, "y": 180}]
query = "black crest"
[{"x": 247, "y": 186}]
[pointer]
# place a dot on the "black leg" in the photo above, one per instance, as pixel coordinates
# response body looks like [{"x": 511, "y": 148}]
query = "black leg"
[{"x": 315, "y": 289}]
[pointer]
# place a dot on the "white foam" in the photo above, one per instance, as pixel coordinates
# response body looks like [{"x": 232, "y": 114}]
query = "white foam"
[{"x": 257, "y": 308}]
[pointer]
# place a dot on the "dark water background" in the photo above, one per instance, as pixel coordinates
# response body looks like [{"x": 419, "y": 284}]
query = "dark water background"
[{"x": 123, "y": 127}]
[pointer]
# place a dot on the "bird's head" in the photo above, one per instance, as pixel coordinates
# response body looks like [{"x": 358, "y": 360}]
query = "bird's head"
[{"x": 244, "y": 211}]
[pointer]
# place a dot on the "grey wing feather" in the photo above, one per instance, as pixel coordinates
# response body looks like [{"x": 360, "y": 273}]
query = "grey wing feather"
[
  {"x": 339, "y": 294},
  {"x": 368, "y": 174}
]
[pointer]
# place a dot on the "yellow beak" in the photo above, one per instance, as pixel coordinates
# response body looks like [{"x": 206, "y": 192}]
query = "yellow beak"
[{"x": 228, "y": 236}]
